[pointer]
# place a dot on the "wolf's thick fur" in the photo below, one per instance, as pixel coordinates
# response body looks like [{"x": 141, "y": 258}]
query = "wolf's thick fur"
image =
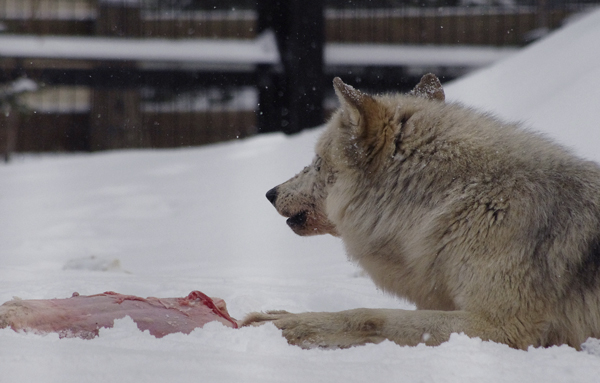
[{"x": 489, "y": 229}]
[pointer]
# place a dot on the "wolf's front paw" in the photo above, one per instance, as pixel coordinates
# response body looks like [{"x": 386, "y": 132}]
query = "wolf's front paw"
[
  {"x": 257, "y": 319},
  {"x": 328, "y": 330}
]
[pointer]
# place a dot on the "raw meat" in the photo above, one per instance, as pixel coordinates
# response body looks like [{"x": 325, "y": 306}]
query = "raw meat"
[{"x": 82, "y": 316}]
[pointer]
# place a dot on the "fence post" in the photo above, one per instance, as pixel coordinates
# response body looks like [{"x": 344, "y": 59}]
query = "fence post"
[
  {"x": 116, "y": 120},
  {"x": 304, "y": 64},
  {"x": 9, "y": 123},
  {"x": 293, "y": 101},
  {"x": 270, "y": 79},
  {"x": 542, "y": 19}
]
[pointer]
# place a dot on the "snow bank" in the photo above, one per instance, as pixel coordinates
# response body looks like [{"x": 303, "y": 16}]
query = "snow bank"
[
  {"x": 218, "y": 354},
  {"x": 553, "y": 86}
]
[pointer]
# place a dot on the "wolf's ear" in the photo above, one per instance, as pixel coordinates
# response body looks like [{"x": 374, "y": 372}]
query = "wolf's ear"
[
  {"x": 365, "y": 127},
  {"x": 357, "y": 106},
  {"x": 429, "y": 87}
]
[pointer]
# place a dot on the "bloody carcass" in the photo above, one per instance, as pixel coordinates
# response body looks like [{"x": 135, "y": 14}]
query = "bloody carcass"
[{"x": 82, "y": 316}]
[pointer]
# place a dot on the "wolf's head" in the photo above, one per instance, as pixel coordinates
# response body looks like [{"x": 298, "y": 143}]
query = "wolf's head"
[{"x": 364, "y": 132}]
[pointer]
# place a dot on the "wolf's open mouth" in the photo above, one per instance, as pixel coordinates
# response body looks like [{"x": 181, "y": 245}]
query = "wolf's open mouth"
[{"x": 297, "y": 220}]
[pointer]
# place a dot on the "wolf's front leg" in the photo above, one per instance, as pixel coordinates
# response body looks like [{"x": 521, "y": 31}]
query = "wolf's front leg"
[
  {"x": 323, "y": 329},
  {"x": 360, "y": 326}
]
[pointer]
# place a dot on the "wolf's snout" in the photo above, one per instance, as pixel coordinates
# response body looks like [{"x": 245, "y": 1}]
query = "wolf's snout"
[{"x": 272, "y": 195}]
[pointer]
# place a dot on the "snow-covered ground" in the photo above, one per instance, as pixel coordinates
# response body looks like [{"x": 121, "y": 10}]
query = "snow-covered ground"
[{"x": 165, "y": 222}]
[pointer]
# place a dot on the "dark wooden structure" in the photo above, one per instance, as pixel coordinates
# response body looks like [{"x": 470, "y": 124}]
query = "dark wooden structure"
[{"x": 293, "y": 93}]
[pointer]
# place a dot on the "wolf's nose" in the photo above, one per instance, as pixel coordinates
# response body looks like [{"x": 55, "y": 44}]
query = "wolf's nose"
[{"x": 272, "y": 195}]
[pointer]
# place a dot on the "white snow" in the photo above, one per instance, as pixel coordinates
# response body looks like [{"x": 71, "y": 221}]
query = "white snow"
[
  {"x": 23, "y": 85},
  {"x": 261, "y": 50},
  {"x": 413, "y": 55},
  {"x": 179, "y": 220}
]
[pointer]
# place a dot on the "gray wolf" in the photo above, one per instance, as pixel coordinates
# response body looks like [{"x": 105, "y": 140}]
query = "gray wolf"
[{"x": 490, "y": 229}]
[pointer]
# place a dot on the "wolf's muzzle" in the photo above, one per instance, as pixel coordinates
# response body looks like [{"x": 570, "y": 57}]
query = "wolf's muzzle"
[
  {"x": 298, "y": 220},
  {"x": 272, "y": 195}
]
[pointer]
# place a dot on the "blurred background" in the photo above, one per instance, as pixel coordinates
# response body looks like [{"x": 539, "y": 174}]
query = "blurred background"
[{"x": 88, "y": 75}]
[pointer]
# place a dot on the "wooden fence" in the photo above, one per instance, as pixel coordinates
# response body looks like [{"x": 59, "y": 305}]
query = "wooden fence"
[{"x": 449, "y": 26}]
